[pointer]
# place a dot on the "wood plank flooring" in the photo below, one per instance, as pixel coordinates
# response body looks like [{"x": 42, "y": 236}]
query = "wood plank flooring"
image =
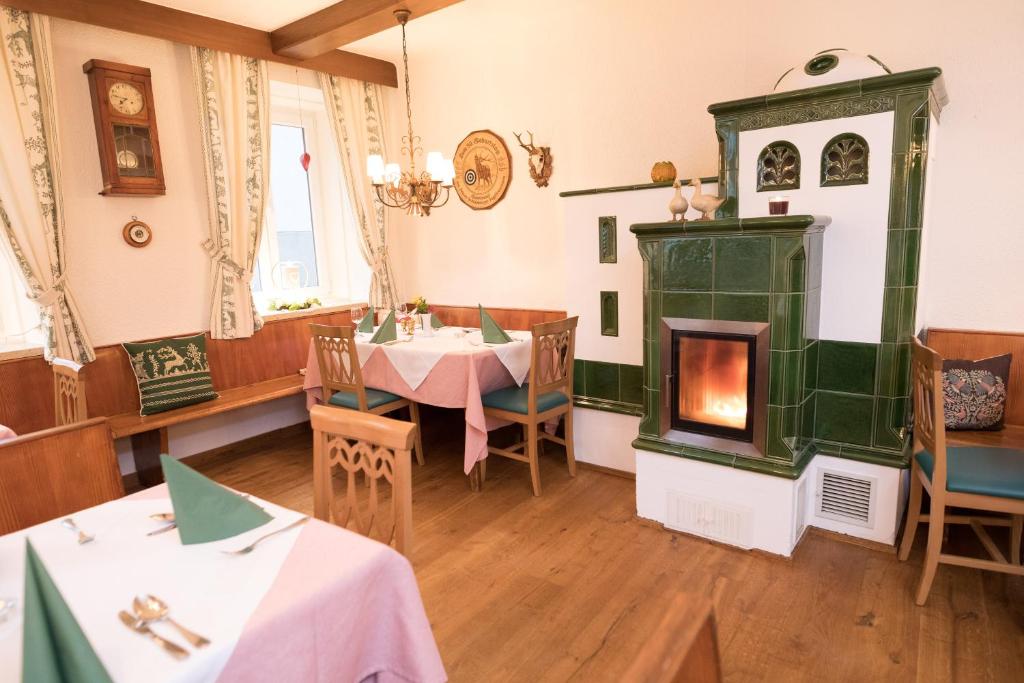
[{"x": 567, "y": 586}]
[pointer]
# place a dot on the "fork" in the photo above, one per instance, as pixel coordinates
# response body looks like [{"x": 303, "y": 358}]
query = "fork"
[{"x": 249, "y": 548}]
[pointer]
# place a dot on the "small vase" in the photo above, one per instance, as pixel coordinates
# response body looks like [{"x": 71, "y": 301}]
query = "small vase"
[{"x": 426, "y": 321}]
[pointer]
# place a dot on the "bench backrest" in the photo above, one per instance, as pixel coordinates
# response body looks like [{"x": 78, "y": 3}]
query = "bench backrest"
[{"x": 55, "y": 472}]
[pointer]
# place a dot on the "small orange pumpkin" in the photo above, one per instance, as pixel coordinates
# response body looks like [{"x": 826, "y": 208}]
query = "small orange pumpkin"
[{"x": 663, "y": 172}]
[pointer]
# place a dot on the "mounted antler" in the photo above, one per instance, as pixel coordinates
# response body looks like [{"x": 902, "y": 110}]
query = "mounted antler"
[
  {"x": 528, "y": 147},
  {"x": 540, "y": 160}
]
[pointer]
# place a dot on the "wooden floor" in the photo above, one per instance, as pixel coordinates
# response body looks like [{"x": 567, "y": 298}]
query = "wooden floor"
[{"x": 565, "y": 587}]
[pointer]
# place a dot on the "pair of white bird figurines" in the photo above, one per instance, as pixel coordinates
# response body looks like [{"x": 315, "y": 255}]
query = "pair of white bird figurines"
[{"x": 706, "y": 204}]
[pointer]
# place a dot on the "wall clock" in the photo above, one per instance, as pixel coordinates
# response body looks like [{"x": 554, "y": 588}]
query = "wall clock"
[
  {"x": 136, "y": 233},
  {"x": 483, "y": 169},
  {"x": 126, "y": 134}
]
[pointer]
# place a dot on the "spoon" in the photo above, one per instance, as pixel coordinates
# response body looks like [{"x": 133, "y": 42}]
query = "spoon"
[
  {"x": 83, "y": 537},
  {"x": 152, "y": 608}
]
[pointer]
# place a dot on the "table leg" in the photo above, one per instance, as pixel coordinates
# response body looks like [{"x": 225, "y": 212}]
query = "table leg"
[
  {"x": 476, "y": 476},
  {"x": 146, "y": 450}
]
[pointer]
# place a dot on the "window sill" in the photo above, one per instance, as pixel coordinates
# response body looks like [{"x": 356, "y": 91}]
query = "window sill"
[
  {"x": 270, "y": 316},
  {"x": 17, "y": 352}
]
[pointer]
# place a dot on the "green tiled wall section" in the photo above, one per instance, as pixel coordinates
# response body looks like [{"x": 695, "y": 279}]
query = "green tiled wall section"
[{"x": 614, "y": 387}]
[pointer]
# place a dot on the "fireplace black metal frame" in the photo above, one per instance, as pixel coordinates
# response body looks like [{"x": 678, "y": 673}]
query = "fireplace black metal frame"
[{"x": 748, "y": 442}]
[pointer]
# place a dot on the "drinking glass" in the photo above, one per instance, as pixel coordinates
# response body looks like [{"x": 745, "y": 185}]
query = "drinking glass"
[{"x": 358, "y": 313}]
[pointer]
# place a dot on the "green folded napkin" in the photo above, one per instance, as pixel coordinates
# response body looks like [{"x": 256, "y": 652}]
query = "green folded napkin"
[
  {"x": 366, "y": 324},
  {"x": 203, "y": 509},
  {"x": 491, "y": 331},
  {"x": 54, "y": 648},
  {"x": 435, "y": 322},
  {"x": 386, "y": 332}
]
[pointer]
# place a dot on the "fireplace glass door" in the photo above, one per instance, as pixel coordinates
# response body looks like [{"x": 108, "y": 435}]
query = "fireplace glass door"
[{"x": 714, "y": 383}]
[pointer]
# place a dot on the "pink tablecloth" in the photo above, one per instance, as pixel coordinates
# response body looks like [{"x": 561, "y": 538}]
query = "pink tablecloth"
[
  {"x": 457, "y": 381},
  {"x": 342, "y": 608}
]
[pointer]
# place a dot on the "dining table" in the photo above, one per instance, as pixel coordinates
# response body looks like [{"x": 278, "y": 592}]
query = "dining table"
[
  {"x": 313, "y": 603},
  {"x": 452, "y": 367}
]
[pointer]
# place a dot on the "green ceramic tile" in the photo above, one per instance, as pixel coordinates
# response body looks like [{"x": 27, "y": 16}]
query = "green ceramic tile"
[
  {"x": 787, "y": 331},
  {"x": 602, "y": 380},
  {"x": 846, "y": 366},
  {"x": 607, "y": 240},
  {"x": 775, "y": 447},
  {"x": 776, "y": 377},
  {"x": 789, "y": 262},
  {"x": 915, "y": 190},
  {"x": 688, "y": 264},
  {"x": 650, "y": 422},
  {"x": 908, "y": 309},
  {"x": 814, "y": 247},
  {"x": 579, "y": 374},
  {"x": 811, "y": 366},
  {"x": 686, "y": 305},
  {"x": 891, "y": 314},
  {"x": 652, "y": 325},
  {"x": 812, "y": 314},
  {"x": 843, "y": 418},
  {"x": 743, "y": 264},
  {"x": 901, "y": 378},
  {"x": 885, "y": 378},
  {"x": 807, "y": 417},
  {"x": 912, "y": 258},
  {"x": 631, "y": 384},
  {"x": 898, "y": 196},
  {"x": 741, "y": 307},
  {"x": 890, "y": 416},
  {"x": 610, "y": 314},
  {"x": 895, "y": 258}
]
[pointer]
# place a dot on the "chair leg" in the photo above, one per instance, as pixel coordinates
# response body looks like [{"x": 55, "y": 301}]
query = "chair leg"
[
  {"x": 321, "y": 481},
  {"x": 1016, "y": 528},
  {"x": 531, "y": 450},
  {"x": 483, "y": 470},
  {"x": 570, "y": 455},
  {"x": 414, "y": 413},
  {"x": 936, "y": 524},
  {"x": 913, "y": 512}
]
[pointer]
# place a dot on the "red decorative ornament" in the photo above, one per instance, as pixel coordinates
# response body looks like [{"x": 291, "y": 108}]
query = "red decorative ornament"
[{"x": 304, "y": 160}]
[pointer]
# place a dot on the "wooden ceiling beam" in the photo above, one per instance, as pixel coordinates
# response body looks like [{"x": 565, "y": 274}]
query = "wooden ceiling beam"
[
  {"x": 343, "y": 23},
  {"x": 157, "y": 21}
]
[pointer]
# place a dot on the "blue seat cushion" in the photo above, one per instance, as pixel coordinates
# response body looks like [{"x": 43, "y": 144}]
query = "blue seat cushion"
[
  {"x": 374, "y": 398},
  {"x": 515, "y": 399},
  {"x": 981, "y": 470}
]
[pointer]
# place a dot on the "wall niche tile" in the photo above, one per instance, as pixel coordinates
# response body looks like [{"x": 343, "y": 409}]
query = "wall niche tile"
[
  {"x": 610, "y": 314},
  {"x": 778, "y": 167},
  {"x": 607, "y": 239},
  {"x": 844, "y": 161}
]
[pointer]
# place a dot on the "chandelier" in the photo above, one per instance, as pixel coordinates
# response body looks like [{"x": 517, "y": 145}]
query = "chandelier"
[{"x": 399, "y": 188}]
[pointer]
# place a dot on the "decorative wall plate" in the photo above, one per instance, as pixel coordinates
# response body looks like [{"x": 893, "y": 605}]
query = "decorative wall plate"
[
  {"x": 136, "y": 233},
  {"x": 483, "y": 169}
]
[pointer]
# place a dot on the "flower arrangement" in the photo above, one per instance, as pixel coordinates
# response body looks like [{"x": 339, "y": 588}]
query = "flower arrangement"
[
  {"x": 421, "y": 305},
  {"x": 277, "y": 305}
]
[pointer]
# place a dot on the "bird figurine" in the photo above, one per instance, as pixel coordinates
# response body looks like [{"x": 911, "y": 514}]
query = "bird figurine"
[
  {"x": 706, "y": 204},
  {"x": 678, "y": 204}
]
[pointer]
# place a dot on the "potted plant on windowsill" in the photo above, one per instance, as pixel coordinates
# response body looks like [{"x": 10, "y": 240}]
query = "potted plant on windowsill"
[{"x": 423, "y": 311}]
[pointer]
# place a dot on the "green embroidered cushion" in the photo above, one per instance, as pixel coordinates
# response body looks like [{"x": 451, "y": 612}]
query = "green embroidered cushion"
[{"x": 172, "y": 373}]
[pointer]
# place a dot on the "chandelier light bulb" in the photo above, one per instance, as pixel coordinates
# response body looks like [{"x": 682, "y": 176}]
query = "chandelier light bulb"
[
  {"x": 435, "y": 165},
  {"x": 375, "y": 168}
]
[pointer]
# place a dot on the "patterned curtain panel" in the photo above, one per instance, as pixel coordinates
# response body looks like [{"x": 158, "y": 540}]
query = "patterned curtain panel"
[
  {"x": 234, "y": 115},
  {"x": 31, "y": 208},
  {"x": 357, "y": 119}
]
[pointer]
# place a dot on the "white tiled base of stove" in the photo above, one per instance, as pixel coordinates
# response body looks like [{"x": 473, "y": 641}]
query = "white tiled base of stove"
[{"x": 751, "y": 510}]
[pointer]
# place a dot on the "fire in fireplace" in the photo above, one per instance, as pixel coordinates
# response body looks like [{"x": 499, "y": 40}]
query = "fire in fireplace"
[{"x": 715, "y": 383}]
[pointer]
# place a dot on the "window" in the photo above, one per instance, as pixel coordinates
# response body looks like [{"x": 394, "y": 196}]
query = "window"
[
  {"x": 19, "y": 317},
  {"x": 310, "y": 242}
]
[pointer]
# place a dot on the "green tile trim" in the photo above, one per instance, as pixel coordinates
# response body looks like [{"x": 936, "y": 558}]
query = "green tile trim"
[
  {"x": 757, "y": 465},
  {"x": 607, "y": 239},
  {"x": 608, "y": 406},
  {"x": 632, "y": 188},
  {"x": 610, "y": 314},
  {"x": 799, "y": 223},
  {"x": 616, "y": 387}
]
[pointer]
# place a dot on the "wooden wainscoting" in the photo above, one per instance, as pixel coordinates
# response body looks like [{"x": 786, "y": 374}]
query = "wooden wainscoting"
[
  {"x": 508, "y": 318},
  {"x": 977, "y": 344},
  {"x": 278, "y": 350}
]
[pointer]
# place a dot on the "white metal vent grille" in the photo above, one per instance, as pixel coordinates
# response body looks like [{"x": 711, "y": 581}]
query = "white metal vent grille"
[
  {"x": 845, "y": 497},
  {"x": 709, "y": 518}
]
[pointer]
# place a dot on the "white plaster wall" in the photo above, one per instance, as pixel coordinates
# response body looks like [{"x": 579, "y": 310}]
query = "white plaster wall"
[
  {"x": 603, "y": 438},
  {"x": 853, "y": 266},
  {"x": 585, "y": 277}
]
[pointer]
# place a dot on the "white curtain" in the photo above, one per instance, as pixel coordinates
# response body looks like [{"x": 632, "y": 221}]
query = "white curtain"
[
  {"x": 234, "y": 111},
  {"x": 31, "y": 205},
  {"x": 355, "y": 111}
]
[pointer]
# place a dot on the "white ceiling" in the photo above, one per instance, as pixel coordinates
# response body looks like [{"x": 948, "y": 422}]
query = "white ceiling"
[{"x": 265, "y": 15}]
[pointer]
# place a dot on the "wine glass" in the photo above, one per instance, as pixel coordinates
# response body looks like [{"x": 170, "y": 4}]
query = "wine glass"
[{"x": 358, "y": 313}]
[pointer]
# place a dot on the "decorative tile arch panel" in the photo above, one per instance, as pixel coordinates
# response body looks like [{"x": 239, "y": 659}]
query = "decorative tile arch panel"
[
  {"x": 844, "y": 161},
  {"x": 778, "y": 167}
]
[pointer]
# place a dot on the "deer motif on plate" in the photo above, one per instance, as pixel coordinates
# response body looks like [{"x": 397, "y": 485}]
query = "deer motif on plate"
[{"x": 539, "y": 162}]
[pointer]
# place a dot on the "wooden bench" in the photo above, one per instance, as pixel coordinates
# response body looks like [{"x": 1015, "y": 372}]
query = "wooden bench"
[{"x": 975, "y": 345}]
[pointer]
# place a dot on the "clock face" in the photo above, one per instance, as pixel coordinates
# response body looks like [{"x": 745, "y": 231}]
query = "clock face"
[
  {"x": 125, "y": 98},
  {"x": 137, "y": 234},
  {"x": 127, "y": 159}
]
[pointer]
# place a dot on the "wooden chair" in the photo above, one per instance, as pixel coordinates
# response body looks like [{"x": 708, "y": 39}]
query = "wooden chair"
[
  {"x": 68, "y": 392},
  {"x": 547, "y": 395},
  {"x": 379, "y": 447},
  {"x": 54, "y": 472},
  {"x": 342, "y": 378},
  {"x": 975, "y": 477},
  {"x": 684, "y": 647}
]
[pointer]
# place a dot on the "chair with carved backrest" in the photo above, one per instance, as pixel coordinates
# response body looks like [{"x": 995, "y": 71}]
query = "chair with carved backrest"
[
  {"x": 68, "y": 392},
  {"x": 342, "y": 378},
  {"x": 547, "y": 395},
  {"x": 973, "y": 477},
  {"x": 380, "y": 448}
]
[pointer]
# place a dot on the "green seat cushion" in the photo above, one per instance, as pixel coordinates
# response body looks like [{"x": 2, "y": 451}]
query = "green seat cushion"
[
  {"x": 171, "y": 373},
  {"x": 515, "y": 399},
  {"x": 981, "y": 470},
  {"x": 374, "y": 398}
]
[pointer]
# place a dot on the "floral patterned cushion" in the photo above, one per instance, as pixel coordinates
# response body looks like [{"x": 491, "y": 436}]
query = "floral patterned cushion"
[
  {"x": 172, "y": 373},
  {"x": 974, "y": 392}
]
